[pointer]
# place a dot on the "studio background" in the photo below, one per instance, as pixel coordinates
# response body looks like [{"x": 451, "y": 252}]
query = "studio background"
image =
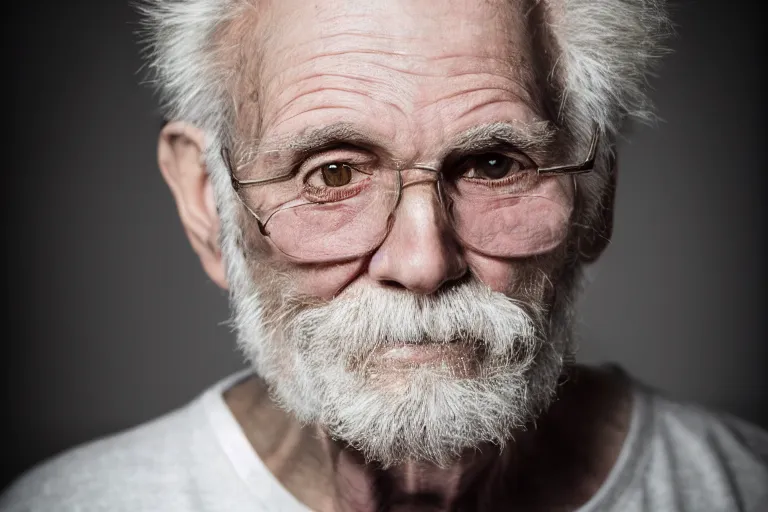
[{"x": 110, "y": 321}]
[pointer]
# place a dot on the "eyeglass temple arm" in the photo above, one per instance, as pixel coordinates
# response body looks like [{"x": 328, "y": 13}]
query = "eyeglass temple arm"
[
  {"x": 238, "y": 184},
  {"x": 586, "y": 166}
]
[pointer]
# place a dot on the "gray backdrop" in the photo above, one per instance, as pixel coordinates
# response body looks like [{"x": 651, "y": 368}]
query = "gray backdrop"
[{"x": 111, "y": 321}]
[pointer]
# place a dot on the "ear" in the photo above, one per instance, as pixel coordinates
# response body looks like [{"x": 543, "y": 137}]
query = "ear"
[
  {"x": 180, "y": 153},
  {"x": 594, "y": 240}
]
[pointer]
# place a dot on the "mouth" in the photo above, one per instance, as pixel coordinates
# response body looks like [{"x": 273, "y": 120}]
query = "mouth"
[{"x": 455, "y": 359}]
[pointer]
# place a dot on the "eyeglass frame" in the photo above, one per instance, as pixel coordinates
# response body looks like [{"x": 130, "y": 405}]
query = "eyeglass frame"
[{"x": 558, "y": 170}]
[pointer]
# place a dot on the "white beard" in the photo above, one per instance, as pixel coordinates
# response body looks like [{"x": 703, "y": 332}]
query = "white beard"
[{"x": 306, "y": 352}]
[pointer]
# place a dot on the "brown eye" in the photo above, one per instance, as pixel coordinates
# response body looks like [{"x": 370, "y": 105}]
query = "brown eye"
[
  {"x": 491, "y": 166},
  {"x": 336, "y": 175}
]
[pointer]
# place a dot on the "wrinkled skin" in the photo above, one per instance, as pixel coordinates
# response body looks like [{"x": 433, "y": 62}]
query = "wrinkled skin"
[{"x": 413, "y": 75}]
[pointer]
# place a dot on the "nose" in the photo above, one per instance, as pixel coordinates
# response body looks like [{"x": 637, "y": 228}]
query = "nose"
[{"x": 420, "y": 253}]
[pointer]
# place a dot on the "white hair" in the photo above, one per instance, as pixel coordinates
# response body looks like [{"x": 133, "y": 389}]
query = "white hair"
[{"x": 607, "y": 50}]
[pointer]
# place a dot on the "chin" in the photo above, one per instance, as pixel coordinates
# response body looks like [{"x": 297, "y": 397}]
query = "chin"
[{"x": 430, "y": 412}]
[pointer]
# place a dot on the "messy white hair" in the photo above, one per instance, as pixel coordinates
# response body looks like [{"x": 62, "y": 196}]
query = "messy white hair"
[{"x": 607, "y": 50}]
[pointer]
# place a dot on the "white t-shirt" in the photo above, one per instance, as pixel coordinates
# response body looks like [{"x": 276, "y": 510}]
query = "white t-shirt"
[{"x": 676, "y": 457}]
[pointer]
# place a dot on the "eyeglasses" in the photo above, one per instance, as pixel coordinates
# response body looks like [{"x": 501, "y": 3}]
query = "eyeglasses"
[{"x": 499, "y": 205}]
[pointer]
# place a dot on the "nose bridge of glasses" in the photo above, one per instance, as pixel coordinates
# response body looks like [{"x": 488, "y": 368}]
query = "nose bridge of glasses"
[
  {"x": 418, "y": 174},
  {"x": 427, "y": 176}
]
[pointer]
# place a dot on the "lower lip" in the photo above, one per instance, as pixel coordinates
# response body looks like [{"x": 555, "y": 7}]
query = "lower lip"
[{"x": 458, "y": 359}]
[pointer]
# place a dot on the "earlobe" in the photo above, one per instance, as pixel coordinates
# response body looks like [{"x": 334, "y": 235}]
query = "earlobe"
[{"x": 181, "y": 148}]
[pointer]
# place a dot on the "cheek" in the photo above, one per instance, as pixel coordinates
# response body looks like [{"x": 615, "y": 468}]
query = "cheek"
[
  {"x": 518, "y": 226},
  {"x": 526, "y": 279},
  {"x": 326, "y": 281},
  {"x": 499, "y": 275},
  {"x": 319, "y": 281}
]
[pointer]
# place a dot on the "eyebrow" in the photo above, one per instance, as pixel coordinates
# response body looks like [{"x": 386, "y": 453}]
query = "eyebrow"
[
  {"x": 319, "y": 139},
  {"x": 536, "y": 136}
]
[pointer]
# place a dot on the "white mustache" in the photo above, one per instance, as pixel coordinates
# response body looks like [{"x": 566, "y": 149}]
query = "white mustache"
[{"x": 364, "y": 318}]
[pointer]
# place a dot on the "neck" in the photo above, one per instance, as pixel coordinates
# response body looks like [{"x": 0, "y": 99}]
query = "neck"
[{"x": 557, "y": 464}]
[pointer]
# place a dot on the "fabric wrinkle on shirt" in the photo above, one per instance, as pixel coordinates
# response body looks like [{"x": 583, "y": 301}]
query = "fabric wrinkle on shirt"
[{"x": 676, "y": 457}]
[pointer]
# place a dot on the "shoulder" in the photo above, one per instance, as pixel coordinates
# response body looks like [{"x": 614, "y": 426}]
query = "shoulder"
[
  {"x": 696, "y": 454},
  {"x": 138, "y": 469},
  {"x": 690, "y": 427}
]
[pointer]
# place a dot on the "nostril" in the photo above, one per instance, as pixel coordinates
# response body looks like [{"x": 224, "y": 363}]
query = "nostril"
[{"x": 392, "y": 284}]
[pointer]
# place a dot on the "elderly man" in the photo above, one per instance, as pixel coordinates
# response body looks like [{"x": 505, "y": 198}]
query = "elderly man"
[{"x": 400, "y": 196}]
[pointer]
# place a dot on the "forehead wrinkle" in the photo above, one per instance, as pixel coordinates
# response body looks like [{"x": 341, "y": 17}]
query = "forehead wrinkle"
[
  {"x": 511, "y": 60},
  {"x": 513, "y": 64},
  {"x": 411, "y": 62},
  {"x": 389, "y": 83},
  {"x": 329, "y": 107},
  {"x": 519, "y": 94},
  {"x": 328, "y": 31},
  {"x": 395, "y": 20},
  {"x": 514, "y": 56},
  {"x": 387, "y": 87},
  {"x": 397, "y": 86},
  {"x": 317, "y": 90},
  {"x": 357, "y": 34}
]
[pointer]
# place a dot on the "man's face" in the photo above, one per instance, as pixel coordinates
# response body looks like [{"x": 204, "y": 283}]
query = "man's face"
[{"x": 424, "y": 346}]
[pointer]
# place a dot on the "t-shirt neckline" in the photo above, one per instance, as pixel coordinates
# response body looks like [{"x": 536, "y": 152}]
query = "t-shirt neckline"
[
  {"x": 271, "y": 492},
  {"x": 255, "y": 475}
]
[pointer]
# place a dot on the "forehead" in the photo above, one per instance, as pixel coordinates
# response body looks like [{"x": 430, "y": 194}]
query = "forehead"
[
  {"x": 423, "y": 27},
  {"x": 398, "y": 65}
]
